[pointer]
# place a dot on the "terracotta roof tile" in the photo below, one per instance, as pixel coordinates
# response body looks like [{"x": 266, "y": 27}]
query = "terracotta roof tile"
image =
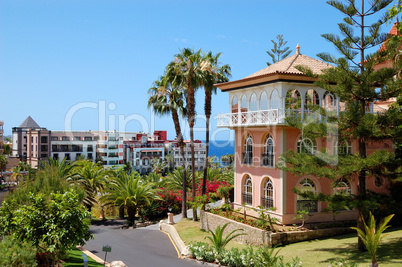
[{"x": 287, "y": 65}]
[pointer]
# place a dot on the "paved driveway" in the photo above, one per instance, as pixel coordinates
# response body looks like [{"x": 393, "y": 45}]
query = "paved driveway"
[{"x": 140, "y": 247}]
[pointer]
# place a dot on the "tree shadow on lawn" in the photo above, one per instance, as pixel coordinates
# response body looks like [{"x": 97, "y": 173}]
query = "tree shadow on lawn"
[{"x": 388, "y": 252}]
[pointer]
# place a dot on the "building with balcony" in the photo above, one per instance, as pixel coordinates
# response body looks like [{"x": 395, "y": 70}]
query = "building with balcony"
[
  {"x": 259, "y": 105},
  {"x": 143, "y": 149},
  {"x": 199, "y": 154},
  {"x": 73, "y": 144},
  {"x": 109, "y": 148}
]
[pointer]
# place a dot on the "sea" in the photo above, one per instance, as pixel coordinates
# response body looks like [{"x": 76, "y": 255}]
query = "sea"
[{"x": 219, "y": 148}]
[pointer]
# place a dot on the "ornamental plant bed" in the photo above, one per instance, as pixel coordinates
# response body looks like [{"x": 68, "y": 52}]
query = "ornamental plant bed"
[
  {"x": 264, "y": 225},
  {"x": 253, "y": 221}
]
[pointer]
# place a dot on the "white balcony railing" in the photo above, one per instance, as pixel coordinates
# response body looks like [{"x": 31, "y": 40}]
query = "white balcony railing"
[{"x": 250, "y": 118}]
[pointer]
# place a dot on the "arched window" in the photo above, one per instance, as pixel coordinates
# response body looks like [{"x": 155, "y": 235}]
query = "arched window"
[
  {"x": 248, "y": 190},
  {"x": 328, "y": 102},
  {"x": 253, "y": 102},
  {"x": 311, "y": 98},
  {"x": 267, "y": 199},
  {"x": 243, "y": 109},
  {"x": 342, "y": 148},
  {"x": 307, "y": 185},
  {"x": 343, "y": 187},
  {"x": 310, "y": 101},
  {"x": 275, "y": 100},
  {"x": 293, "y": 100},
  {"x": 306, "y": 145},
  {"x": 248, "y": 150},
  {"x": 293, "y": 104},
  {"x": 264, "y": 101},
  {"x": 268, "y": 154},
  {"x": 235, "y": 104},
  {"x": 243, "y": 104},
  {"x": 379, "y": 182}
]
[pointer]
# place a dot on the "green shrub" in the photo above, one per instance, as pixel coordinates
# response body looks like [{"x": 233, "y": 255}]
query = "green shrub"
[
  {"x": 260, "y": 257},
  {"x": 202, "y": 251},
  {"x": 230, "y": 257},
  {"x": 16, "y": 254}
]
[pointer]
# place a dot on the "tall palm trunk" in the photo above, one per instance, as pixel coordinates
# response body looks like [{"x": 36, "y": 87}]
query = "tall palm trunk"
[
  {"x": 131, "y": 211},
  {"x": 180, "y": 143},
  {"x": 208, "y": 96},
  {"x": 121, "y": 212},
  {"x": 191, "y": 119}
]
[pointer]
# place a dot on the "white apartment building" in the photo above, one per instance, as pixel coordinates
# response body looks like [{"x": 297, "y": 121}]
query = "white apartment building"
[
  {"x": 72, "y": 144},
  {"x": 199, "y": 155}
]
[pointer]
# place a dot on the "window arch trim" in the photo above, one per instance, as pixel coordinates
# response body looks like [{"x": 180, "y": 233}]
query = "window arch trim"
[
  {"x": 268, "y": 155},
  {"x": 247, "y": 192},
  {"x": 267, "y": 197}
]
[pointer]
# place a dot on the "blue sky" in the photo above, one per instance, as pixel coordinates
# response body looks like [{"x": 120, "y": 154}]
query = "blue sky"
[{"x": 88, "y": 64}]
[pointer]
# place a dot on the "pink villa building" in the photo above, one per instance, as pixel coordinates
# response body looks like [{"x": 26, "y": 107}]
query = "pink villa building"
[{"x": 259, "y": 105}]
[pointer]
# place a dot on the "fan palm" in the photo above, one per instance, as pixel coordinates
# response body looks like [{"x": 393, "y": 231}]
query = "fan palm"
[
  {"x": 212, "y": 74},
  {"x": 92, "y": 177},
  {"x": 185, "y": 72},
  {"x": 130, "y": 191},
  {"x": 167, "y": 99}
]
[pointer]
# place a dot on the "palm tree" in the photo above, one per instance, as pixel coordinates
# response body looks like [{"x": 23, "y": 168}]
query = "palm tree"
[
  {"x": 63, "y": 167},
  {"x": 217, "y": 238},
  {"x": 16, "y": 173},
  {"x": 167, "y": 99},
  {"x": 174, "y": 180},
  {"x": 129, "y": 191},
  {"x": 185, "y": 72},
  {"x": 170, "y": 162},
  {"x": 92, "y": 177},
  {"x": 212, "y": 74},
  {"x": 371, "y": 235}
]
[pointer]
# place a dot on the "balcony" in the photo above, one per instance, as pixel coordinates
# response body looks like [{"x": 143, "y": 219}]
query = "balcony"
[
  {"x": 268, "y": 117},
  {"x": 250, "y": 118},
  {"x": 267, "y": 159}
]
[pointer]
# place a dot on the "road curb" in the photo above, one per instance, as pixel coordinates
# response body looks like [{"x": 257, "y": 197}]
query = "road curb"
[
  {"x": 177, "y": 241},
  {"x": 93, "y": 256}
]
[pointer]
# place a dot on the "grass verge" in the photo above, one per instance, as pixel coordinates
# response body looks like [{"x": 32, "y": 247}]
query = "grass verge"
[
  {"x": 75, "y": 259},
  {"x": 189, "y": 231},
  {"x": 318, "y": 252}
]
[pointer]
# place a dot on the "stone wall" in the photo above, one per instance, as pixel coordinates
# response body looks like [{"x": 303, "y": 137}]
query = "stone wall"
[{"x": 258, "y": 237}]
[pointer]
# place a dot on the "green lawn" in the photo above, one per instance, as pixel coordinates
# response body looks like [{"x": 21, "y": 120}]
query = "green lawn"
[
  {"x": 318, "y": 252},
  {"x": 76, "y": 260}
]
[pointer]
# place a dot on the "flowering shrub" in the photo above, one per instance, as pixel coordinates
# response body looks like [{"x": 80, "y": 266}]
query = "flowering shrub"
[
  {"x": 210, "y": 194},
  {"x": 202, "y": 251},
  {"x": 230, "y": 257},
  {"x": 159, "y": 208}
]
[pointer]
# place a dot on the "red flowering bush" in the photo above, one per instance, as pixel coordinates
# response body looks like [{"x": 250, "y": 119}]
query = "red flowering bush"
[{"x": 159, "y": 208}]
